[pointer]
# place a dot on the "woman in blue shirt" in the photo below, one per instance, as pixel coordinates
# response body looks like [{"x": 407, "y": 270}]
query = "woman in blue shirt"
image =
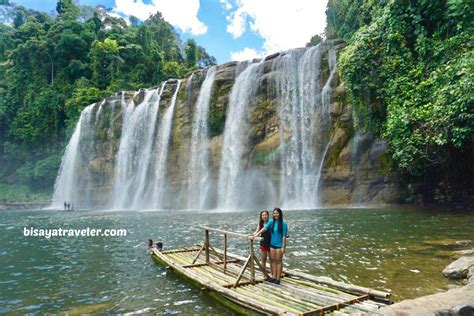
[{"x": 279, "y": 232}]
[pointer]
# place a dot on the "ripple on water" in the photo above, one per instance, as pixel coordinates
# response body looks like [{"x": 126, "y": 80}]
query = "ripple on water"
[{"x": 367, "y": 247}]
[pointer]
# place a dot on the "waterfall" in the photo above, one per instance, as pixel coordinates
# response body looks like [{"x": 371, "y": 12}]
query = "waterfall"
[
  {"x": 303, "y": 113},
  {"x": 164, "y": 136},
  {"x": 199, "y": 173},
  {"x": 236, "y": 136},
  {"x": 141, "y": 193},
  {"x": 120, "y": 156},
  {"x": 324, "y": 126},
  {"x": 66, "y": 185},
  {"x": 133, "y": 154}
]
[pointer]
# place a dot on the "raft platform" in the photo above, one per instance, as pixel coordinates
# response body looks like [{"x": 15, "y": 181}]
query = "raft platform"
[{"x": 240, "y": 282}]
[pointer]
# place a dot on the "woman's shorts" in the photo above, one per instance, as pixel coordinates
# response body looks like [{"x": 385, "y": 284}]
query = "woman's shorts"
[
  {"x": 264, "y": 248},
  {"x": 275, "y": 247}
]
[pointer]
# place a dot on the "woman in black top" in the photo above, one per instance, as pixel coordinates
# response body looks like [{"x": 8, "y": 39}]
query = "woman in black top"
[{"x": 265, "y": 241}]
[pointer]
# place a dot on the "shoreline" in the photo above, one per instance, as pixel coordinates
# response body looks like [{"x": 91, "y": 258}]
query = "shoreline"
[
  {"x": 21, "y": 206},
  {"x": 451, "y": 302},
  {"x": 451, "y": 208},
  {"x": 457, "y": 301}
]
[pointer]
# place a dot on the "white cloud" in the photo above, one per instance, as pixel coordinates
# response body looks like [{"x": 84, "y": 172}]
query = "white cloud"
[
  {"x": 283, "y": 24},
  {"x": 180, "y": 13},
  {"x": 245, "y": 54},
  {"x": 236, "y": 23},
  {"x": 226, "y": 5}
]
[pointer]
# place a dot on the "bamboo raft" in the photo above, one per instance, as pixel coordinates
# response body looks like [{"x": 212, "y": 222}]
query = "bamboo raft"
[{"x": 235, "y": 282}]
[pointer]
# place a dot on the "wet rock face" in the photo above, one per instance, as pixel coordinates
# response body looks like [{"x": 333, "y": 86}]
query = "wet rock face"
[{"x": 356, "y": 168}]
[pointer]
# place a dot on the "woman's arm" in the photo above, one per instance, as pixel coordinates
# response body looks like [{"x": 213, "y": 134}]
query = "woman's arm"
[
  {"x": 260, "y": 231},
  {"x": 285, "y": 233},
  {"x": 256, "y": 230}
]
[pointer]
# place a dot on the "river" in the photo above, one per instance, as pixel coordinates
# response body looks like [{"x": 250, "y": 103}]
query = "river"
[{"x": 400, "y": 249}]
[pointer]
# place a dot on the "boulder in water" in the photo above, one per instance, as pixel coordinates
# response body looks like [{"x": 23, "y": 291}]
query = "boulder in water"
[{"x": 460, "y": 268}]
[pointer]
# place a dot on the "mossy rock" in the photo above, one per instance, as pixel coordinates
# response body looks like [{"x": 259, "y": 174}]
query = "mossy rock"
[
  {"x": 216, "y": 119},
  {"x": 385, "y": 164},
  {"x": 218, "y": 106},
  {"x": 265, "y": 152},
  {"x": 182, "y": 95}
]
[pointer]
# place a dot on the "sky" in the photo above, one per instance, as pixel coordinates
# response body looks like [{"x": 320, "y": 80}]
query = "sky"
[{"x": 227, "y": 29}]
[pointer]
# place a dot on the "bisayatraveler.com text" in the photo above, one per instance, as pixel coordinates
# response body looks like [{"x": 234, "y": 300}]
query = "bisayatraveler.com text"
[{"x": 71, "y": 232}]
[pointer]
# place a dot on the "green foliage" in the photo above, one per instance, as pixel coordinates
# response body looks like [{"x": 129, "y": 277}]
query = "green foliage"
[
  {"x": 82, "y": 96},
  {"x": 344, "y": 18},
  {"x": 66, "y": 8},
  {"x": 409, "y": 72},
  {"x": 315, "y": 40},
  {"x": 191, "y": 53},
  {"x": 41, "y": 174},
  {"x": 52, "y": 68},
  {"x": 21, "y": 193}
]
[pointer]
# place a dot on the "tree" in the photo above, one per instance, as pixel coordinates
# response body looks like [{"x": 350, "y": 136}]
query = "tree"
[
  {"x": 191, "y": 52},
  {"x": 66, "y": 8},
  {"x": 51, "y": 68},
  {"x": 106, "y": 61},
  {"x": 315, "y": 40}
]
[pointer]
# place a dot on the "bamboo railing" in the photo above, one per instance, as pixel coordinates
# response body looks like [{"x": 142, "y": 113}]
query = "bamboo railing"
[{"x": 250, "y": 261}]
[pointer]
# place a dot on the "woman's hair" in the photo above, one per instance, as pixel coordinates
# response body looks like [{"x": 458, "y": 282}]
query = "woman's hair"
[
  {"x": 260, "y": 223},
  {"x": 280, "y": 219}
]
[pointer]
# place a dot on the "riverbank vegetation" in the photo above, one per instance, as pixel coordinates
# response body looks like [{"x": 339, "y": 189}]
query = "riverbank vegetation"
[
  {"x": 52, "y": 67},
  {"x": 409, "y": 71}
]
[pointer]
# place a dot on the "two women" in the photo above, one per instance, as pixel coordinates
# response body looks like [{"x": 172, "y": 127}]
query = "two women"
[{"x": 278, "y": 230}]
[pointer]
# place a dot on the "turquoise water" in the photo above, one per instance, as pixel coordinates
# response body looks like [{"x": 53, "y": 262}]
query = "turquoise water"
[{"x": 399, "y": 249}]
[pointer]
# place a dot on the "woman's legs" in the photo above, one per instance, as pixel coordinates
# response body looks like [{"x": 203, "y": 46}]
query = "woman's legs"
[
  {"x": 278, "y": 263},
  {"x": 272, "y": 262},
  {"x": 264, "y": 255}
]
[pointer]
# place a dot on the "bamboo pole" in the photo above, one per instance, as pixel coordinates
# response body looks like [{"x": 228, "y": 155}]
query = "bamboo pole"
[
  {"x": 217, "y": 262},
  {"x": 198, "y": 254},
  {"x": 229, "y": 285},
  {"x": 252, "y": 261},
  {"x": 206, "y": 242},
  {"x": 242, "y": 271},
  {"x": 180, "y": 250},
  {"x": 229, "y": 233},
  {"x": 339, "y": 285},
  {"x": 225, "y": 252},
  {"x": 264, "y": 271}
]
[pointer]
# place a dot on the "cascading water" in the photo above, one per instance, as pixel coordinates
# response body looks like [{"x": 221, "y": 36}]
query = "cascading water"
[
  {"x": 66, "y": 186},
  {"x": 324, "y": 126},
  {"x": 135, "y": 148},
  {"x": 118, "y": 155},
  {"x": 142, "y": 191},
  {"x": 162, "y": 147},
  {"x": 303, "y": 113},
  {"x": 199, "y": 173},
  {"x": 236, "y": 136}
]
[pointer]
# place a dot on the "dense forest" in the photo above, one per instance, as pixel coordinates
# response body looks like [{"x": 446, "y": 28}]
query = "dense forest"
[
  {"x": 409, "y": 69},
  {"x": 52, "y": 67}
]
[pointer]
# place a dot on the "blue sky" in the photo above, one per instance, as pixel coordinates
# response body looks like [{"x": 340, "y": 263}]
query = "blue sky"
[{"x": 228, "y": 29}]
